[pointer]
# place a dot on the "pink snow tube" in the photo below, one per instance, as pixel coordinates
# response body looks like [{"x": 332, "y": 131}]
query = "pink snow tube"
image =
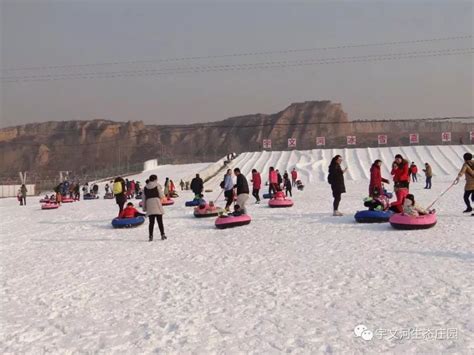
[
  {"x": 279, "y": 200},
  {"x": 230, "y": 221},
  {"x": 49, "y": 206},
  {"x": 67, "y": 200},
  {"x": 45, "y": 200},
  {"x": 403, "y": 221}
]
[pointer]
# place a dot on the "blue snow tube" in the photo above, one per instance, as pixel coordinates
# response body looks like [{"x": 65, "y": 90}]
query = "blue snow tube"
[
  {"x": 195, "y": 202},
  {"x": 89, "y": 197},
  {"x": 373, "y": 216},
  {"x": 127, "y": 222},
  {"x": 267, "y": 196}
]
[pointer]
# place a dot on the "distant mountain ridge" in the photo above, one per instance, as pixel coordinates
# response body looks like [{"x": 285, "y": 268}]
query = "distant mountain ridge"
[{"x": 82, "y": 146}]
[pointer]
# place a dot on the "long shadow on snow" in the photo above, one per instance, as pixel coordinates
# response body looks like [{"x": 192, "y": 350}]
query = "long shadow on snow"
[
  {"x": 468, "y": 256},
  {"x": 90, "y": 240}
]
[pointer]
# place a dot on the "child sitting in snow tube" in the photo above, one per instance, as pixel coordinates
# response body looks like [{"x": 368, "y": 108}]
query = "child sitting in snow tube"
[
  {"x": 129, "y": 218},
  {"x": 207, "y": 210},
  {"x": 299, "y": 185},
  {"x": 234, "y": 219},
  {"x": 45, "y": 199},
  {"x": 378, "y": 209},
  {"x": 413, "y": 216},
  {"x": 198, "y": 200},
  {"x": 279, "y": 200}
]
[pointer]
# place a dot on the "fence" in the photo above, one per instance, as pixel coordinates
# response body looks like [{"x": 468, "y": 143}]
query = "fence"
[{"x": 12, "y": 190}]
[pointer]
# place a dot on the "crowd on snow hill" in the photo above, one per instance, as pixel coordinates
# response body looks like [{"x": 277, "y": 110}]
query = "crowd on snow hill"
[{"x": 402, "y": 172}]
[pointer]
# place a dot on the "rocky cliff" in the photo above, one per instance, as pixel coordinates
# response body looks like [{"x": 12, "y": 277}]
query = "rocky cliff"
[{"x": 82, "y": 146}]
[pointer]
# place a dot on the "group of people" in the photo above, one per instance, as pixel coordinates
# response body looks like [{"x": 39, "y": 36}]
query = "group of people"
[
  {"x": 277, "y": 182},
  {"x": 401, "y": 173}
]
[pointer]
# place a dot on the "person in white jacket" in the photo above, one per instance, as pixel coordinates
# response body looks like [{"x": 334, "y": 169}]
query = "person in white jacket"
[{"x": 152, "y": 195}]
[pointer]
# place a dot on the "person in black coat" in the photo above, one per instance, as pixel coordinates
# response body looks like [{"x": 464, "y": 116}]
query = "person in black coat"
[
  {"x": 336, "y": 180},
  {"x": 243, "y": 190},
  {"x": 197, "y": 185}
]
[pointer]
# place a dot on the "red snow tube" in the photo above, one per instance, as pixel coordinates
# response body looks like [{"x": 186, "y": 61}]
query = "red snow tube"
[
  {"x": 67, "y": 200},
  {"x": 403, "y": 221},
  {"x": 280, "y": 200},
  {"x": 230, "y": 221},
  {"x": 167, "y": 202},
  {"x": 49, "y": 206},
  {"x": 207, "y": 211}
]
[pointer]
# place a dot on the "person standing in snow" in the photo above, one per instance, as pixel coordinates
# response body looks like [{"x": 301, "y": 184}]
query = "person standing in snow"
[
  {"x": 294, "y": 177},
  {"x": 256, "y": 185},
  {"x": 181, "y": 184},
  {"x": 401, "y": 179},
  {"x": 197, "y": 185},
  {"x": 228, "y": 189},
  {"x": 376, "y": 179},
  {"x": 428, "y": 174},
  {"x": 279, "y": 179},
  {"x": 336, "y": 180},
  {"x": 243, "y": 191},
  {"x": 152, "y": 195},
  {"x": 467, "y": 169},
  {"x": 23, "y": 192},
  {"x": 272, "y": 181},
  {"x": 119, "y": 190},
  {"x": 413, "y": 172},
  {"x": 287, "y": 184}
]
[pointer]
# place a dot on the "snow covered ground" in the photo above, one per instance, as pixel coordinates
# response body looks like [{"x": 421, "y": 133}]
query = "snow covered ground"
[{"x": 294, "y": 280}]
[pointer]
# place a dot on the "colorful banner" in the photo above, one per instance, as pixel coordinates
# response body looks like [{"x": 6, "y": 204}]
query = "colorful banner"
[
  {"x": 320, "y": 141},
  {"x": 414, "y": 138},
  {"x": 446, "y": 137},
  {"x": 383, "y": 139},
  {"x": 351, "y": 140},
  {"x": 291, "y": 142},
  {"x": 267, "y": 144}
]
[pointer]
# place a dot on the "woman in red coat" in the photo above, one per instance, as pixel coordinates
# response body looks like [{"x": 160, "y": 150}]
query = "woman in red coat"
[
  {"x": 401, "y": 179},
  {"x": 376, "y": 179}
]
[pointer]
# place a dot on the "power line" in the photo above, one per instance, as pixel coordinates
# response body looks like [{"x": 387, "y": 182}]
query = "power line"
[
  {"x": 233, "y": 127},
  {"x": 242, "y": 66},
  {"x": 244, "y": 54}
]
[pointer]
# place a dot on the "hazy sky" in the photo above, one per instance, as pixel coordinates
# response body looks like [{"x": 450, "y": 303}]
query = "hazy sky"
[{"x": 48, "y": 34}]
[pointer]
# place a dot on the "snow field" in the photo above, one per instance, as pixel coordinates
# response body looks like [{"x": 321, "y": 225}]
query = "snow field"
[{"x": 294, "y": 280}]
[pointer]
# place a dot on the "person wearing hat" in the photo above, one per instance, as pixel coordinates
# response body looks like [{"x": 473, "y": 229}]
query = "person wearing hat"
[{"x": 468, "y": 170}]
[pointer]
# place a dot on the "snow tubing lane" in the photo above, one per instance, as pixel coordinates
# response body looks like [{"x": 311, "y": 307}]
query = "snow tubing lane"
[
  {"x": 373, "y": 216},
  {"x": 401, "y": 221},
  {"x": 280, "y": 203},
  {"x": 194, "y": 203},
  {"x": 49, "y": 206},
  {"x": 127, "y": 222},
  {"x": 232, "y": 221}
]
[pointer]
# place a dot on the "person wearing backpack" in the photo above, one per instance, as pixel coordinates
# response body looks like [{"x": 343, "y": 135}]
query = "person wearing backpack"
[
  {"x": 228, "y": 185},
  {"x": 119, "y": 191}
]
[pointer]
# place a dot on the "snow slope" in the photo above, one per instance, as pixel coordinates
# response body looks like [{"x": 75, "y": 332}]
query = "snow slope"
[
  {"x": 312, "y": 164},
  {"x": 294, "y": 280}
]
